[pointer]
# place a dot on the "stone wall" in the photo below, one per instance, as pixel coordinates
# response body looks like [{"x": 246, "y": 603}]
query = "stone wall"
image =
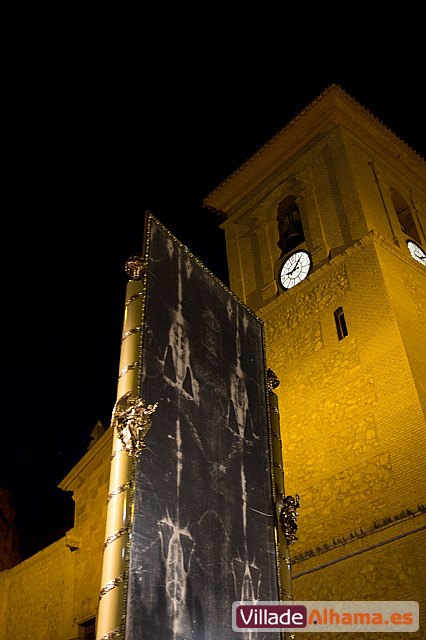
[{"x": 36, "y": 596}]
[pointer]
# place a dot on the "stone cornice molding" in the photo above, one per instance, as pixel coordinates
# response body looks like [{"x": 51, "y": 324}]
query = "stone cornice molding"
[
  {"x": 331, "y": 108},
  {"x": 80, "y": 472}
]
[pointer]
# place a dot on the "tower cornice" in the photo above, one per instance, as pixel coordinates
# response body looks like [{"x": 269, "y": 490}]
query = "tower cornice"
[{"x": 334, "y": 107}]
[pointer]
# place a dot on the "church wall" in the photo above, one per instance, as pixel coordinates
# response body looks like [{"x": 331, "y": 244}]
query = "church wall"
[
  {"x": 335, "y": 190},
  {"x": 36, "y": 596},
  {"x": 235, "y": 267},
  {"x": 89, "y": 482},
  {"x": 91, "y": 505},
  {"x": 374, "y": 205},
  {"x": 332, "y": 213},
  {"x": 405, "y": 283},
  {"x": 353, "y": 430},
  {"x": 395, "y": 568},
  {"x": 354, "y": 398},
  {"x": 49, "y": 595},
  {"x": 342, "y": 189}
]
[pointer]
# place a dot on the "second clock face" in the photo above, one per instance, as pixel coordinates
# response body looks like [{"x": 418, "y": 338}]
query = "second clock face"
[
  {"x": 295, "y": 269},
  {"x": 416, "y": 252}
]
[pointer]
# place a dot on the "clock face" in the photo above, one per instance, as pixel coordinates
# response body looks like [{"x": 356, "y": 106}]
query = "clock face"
[
  {"x": 416, "y": 252},
  {"x": 295, "y": 269}
]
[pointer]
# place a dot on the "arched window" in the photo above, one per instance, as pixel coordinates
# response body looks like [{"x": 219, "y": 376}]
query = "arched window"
[
  {"x": 290, "y": 226},
  {"x": 405, "y": 217}
]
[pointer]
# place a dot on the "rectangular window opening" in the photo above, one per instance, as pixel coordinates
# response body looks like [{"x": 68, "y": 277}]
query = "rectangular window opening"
[{"x": 341, "y": 326}]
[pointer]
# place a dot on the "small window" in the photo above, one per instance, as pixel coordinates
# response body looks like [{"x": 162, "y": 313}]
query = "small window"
[
  {"x": 86, "y": 630},
  {"x": 341, "y": 326}
]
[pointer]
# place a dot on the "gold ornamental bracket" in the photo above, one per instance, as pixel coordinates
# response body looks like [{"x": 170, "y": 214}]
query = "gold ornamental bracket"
[
  {"x": 132, "y": 418},
  {"x": 135, "y": 267},
  {"x": 287, "y": 514}
]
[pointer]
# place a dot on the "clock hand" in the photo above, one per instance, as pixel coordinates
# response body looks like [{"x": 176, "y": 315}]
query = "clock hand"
[{"x": 294, "y": 268}]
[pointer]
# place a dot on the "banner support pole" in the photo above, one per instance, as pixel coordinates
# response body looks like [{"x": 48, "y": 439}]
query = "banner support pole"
[{"x": 111, "y": 612}]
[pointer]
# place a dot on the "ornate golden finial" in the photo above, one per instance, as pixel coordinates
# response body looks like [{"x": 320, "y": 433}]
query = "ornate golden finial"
[
  {"x": 132, "y": 418},
  {"x": 287, "y": 514},
  {"x": 272, "y": 381},
  {"x": 135, "y": 267}
]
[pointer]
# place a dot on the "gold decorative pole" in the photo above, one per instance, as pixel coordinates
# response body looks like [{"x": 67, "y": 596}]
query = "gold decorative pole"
[
  {"x": 111, "y": 613},
  {"x": 278, "y": 475}
]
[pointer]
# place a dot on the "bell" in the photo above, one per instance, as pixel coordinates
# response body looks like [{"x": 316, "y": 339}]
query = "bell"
[{"x": 291, "y": 237}]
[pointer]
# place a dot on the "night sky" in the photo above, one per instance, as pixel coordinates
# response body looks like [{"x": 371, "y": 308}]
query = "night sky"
[{"x": 93, "y": 138}]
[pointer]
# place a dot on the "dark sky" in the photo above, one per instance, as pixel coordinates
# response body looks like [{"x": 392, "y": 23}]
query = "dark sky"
[{"x": 93, "y": 138}]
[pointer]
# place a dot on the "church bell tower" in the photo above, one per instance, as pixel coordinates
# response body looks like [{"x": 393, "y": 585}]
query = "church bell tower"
[{"x": 325, "y": 235}]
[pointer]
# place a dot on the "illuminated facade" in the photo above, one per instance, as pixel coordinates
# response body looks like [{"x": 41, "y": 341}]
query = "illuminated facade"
[
  {"x": 345, "y": 335},
  {"x": 334, "y": 198}
]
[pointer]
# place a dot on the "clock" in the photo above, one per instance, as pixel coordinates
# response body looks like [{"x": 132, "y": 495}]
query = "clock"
[
  {"x": 416, "y": 252},
  {"x": 295, "y": 268}
]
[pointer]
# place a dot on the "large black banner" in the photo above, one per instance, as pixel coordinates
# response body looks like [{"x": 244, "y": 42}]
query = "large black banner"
[{"x": 203, "y": 527}]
